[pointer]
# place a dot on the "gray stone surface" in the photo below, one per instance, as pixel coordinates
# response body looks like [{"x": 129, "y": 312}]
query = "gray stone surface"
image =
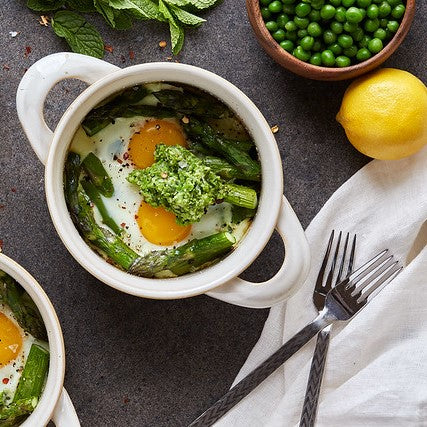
[{"x": 136, "y": 362}]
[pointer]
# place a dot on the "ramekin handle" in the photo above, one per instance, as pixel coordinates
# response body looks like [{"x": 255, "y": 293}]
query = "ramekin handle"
[
  {"x": 36, "y": 84},
  {"x": 286, "y": 281},
  {"x": 64, "y": 414}
]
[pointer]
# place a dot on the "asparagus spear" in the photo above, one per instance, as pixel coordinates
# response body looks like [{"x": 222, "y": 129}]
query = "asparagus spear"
[
  {"x": 23, "y": 307},
  {"x": 240, "y": 195},
  {"x": 239, "y": 214},
  {"x": 34, "y": 374},
  {"x": 98, "y": 175},
  {"x": 202, "y": 132},
  {"x": 82, "y": 215},
  {"x": 222, "y": 168},
  {"x": 188, "y": 103},
  {"x": 185, "y": 258},
  {"x": 96, "y": 199}
]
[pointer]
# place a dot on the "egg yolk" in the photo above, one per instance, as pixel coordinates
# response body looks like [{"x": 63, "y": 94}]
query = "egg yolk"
[
  {"x": 143, "y": 143},
  {"x": 159, "y": 226},
  {"x": 10, "y": 340}
]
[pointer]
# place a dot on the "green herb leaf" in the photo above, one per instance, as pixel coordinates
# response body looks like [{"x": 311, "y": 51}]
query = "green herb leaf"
[
  {"x": 180, "y": 3},
  {"x": 106, "y": 11},
  {"x": 203, "y": 4},
  {"x": 81, "y": 5},
  {"x": 79, "y": 34},
  {"x": 122, "y": 19},
  {"x": 142, "y": 9},
  {"x": 177, "y": 32},
  {"x": 44, "y": 5},
  {"x": 185, "y": 17}
]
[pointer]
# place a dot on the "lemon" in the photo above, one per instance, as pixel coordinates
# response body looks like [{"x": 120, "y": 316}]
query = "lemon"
[{"x": 384, "y": 114}]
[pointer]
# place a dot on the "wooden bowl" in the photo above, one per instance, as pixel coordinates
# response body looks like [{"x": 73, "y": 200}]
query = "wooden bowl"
[{"x": 305, "y": 69}]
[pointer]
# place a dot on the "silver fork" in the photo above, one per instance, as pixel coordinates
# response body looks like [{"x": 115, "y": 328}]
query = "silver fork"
[
  {"x": 342, "y": 302},
  {"x": 321, "y": 289}
]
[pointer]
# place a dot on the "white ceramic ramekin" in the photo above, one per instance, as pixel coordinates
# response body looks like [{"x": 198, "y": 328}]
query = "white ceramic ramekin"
[
  {"x": 219, "y": 281},
  {"x": 55, "y": 404}
]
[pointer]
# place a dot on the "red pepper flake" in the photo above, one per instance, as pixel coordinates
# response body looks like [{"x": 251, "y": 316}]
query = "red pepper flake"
[
  {"x": 2, "y": 206},
  {"x": 136, "y": 216},
  {"x": 126, "y": 400},
  {"x": 120, "y": 161},
  {"x": 13, "y": 190},
  {"x": 27, "y": 51},
  {"x": 131, "y": 54},
  {"x": 6, "y": 67},
  {"x": 5, "y": 380},
  {"x": 108, "y": 48},
  {"x": 1, "y": 245},
  {"x": 123, "y": 225},
  {"x": 125, "y": 155}
]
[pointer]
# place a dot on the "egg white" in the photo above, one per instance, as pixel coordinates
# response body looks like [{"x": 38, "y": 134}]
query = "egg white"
[{"x": 13, "y": 370}]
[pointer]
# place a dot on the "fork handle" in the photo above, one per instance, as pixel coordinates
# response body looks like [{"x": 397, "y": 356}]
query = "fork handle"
[
  {"x": 259, "y": 374},
  {"x": 308, "y": 415}
]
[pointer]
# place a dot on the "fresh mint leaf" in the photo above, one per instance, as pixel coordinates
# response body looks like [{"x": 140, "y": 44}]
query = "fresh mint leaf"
[
  {"x": 185, "y": 17},
  {"x": 106, "y": 11},
  {"x": 81, "y": 5},
  {"x": 79, "y": 34},
  {"x": 44, "y": 5},
  {"x": 203, "y": 4},
  {"x": 176, "y": 30},
  {"x": 122, "y": 19},
  {"x": 179, "y": 3},
  {"x": 142, "y": 9}
]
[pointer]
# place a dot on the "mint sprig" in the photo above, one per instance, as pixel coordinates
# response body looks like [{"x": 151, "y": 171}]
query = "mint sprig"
[{"x": 84, "y": 38}]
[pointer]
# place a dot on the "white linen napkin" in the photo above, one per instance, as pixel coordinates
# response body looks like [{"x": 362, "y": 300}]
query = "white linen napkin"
[{"x": 376, "y": 368}]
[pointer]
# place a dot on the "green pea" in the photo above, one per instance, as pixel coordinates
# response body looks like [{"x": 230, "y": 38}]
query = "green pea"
[
  {"x": 345, "y": 40},
  {"x": 336, "y": 27},
  {"x": 363, "y": 12},
  {"x": 292, "y": 35},
  {"x": 287, "y": 2},
  {"x": 316, "y": 59},
  {"x": 372, "y": 11},
  {"x": 275, "y": 6},
  {"x": 393, "y": 3},
  {"x": 266, "y": 14},
  {"x": 291, "y": 26},
  {"x": 398, "y": 11},
  {"x": 329, "y": 37},
  {"x": 314, "y": 29},
  {"x": 289, "y": 9},
  {"x": 357, "y": 34},
  {"x": 317, "y": 4},
  {"x": 282, "y": 19},
  {"x": 327, "y": 11},
  {"x": 347, "y": 3},
  {"x": 392, "y": 26},
  {"x": 279, "y": 35},
  {"x": 350, "y": 51},
  {"x": 375, "y": 45},
  {"x": 342, "y": 61},
  {"x": 335, "y": 48},
  {"x": 328, "y": 58},
  {"x": 314, "y": 16},
  {"x": 340, "y": 14},
  {"x": 307, "y": 43},
  {"x": 350, "y": 27},
  {"x": 365, "y": 40},
  {"x": 389, "y": 34},
  {"x": 335, "y": 3},
  {"x": 384, "y": 9},
  {"x": 302, "y": 9},
  {"x": 353, "y": 15},
  {"x": 265, "y": 2},
  {"x": 317, "y": 46},
  {"x": 363, "y": 54},
  {"x": 380, "y": 34},
  {"x": 301, "y": 54},
  {"x": 301, "y": 22},
  {"x": 383, "y": 22},
  {"x": 302, "y": 33},
  {"x": 372, "y": 25},
  {"x": 272, "y": 26},
  {"x": 287, "y": 45},
  {"x": 363, "y": 3}
]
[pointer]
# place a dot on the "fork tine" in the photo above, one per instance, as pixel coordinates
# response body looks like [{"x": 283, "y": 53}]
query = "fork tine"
[
  {"x": 351, "y": 260},
  {"x": 322, "y": 270},
  {"x": 359, "y": 285},
  {"x": 367, "y": 268},
  {"x": 393, "y": 270},
  {"x": 338, "y": 279},
  {"x": 328, "y": 283}
]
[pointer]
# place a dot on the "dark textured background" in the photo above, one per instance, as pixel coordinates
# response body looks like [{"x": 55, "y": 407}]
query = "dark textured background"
[{"x": 136, "y": 362}]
